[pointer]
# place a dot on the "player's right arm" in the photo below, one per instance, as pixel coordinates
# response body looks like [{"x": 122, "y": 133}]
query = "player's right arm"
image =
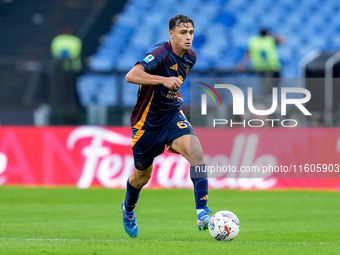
[{"x": 137, "y": 75}]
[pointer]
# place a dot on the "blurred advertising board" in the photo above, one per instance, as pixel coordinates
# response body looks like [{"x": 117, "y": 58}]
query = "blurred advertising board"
[{"x": 91, "y": 156}]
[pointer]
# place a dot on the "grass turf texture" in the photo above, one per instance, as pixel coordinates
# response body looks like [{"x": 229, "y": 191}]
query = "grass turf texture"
[{"x": 74, "y": 221}]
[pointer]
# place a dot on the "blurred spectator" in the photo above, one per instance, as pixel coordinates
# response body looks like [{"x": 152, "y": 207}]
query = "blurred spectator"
[
  {"x": 263, "y": 55},
  {"x": 66, "y": 48},
  {"x": 66, "y": 65}
]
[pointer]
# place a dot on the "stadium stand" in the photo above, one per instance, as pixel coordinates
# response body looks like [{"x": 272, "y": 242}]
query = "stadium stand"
[
  {"x": 26, "y": 33},
  {"x": 222, "y": 30},
  {"x": 221, "y": 33},
  {"x": 227, "y": 25}
]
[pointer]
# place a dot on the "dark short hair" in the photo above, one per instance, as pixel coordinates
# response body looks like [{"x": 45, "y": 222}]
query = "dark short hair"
[
  {"x": 264, "y": 31},
  {"x": 178, "y": 20}
]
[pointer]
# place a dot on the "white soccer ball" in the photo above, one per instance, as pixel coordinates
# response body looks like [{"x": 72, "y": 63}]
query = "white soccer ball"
[{"x": 224, "y": 226}]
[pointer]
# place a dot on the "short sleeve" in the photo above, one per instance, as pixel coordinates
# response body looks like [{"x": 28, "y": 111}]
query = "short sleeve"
[
  {"x": 149, "y": 61},
  {"x": 154, "y": 57}
]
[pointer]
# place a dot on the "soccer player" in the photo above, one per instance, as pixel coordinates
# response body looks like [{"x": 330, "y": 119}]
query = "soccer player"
[{"x": 157, "y": 119}]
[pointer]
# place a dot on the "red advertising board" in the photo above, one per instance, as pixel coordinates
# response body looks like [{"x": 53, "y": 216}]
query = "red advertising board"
[{"x": 86, "y": 156}]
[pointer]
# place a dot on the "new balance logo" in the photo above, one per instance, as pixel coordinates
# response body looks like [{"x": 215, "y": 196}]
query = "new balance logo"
[
  {"x": 204, "y": 198},
  {"x": 174, "y": 67}
]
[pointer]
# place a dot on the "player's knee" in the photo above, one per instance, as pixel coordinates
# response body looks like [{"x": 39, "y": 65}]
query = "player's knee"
[
  {"x": 196, "y": 156},
  {"x": 143, "y": 180},
  {"x": 139, "y": 180}
]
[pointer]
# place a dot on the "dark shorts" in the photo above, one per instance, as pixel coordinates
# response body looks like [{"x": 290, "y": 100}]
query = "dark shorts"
[{"x": 148, "y": 144}]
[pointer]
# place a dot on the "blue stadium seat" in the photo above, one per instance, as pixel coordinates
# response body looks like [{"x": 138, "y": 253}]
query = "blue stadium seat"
[
  {"x": 225, "y": 18},
  {"x": 203, "y": 63},
  {"x": 101, "y": 63},
  {"x": 129, "y": 94},
  {"x": 96, "y": 89},
  {"x": 185, "y": 91}
]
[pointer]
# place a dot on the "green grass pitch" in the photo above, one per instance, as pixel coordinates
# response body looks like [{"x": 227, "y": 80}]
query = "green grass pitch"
[{"x": 75, "y": 221}]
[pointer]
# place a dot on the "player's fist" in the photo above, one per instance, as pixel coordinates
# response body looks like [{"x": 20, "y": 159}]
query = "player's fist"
[{"x": 172, "y": 82}]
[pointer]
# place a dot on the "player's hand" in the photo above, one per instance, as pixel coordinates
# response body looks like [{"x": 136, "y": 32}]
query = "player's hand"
[{"x": 172, "y": 83}]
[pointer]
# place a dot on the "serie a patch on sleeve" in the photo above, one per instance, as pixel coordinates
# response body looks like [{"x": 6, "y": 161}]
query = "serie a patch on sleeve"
[{"x": 148, "y": 58}]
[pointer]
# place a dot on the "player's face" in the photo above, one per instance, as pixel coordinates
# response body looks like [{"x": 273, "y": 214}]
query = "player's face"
[{"x": 182, "y": 36}]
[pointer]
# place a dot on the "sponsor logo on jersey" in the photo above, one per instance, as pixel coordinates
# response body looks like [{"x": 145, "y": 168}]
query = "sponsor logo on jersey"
[{"x": 148, "y": 58}]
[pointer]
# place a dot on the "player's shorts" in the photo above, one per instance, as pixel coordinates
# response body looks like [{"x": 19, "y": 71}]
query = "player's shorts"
[{"x": 148, "y": 144}]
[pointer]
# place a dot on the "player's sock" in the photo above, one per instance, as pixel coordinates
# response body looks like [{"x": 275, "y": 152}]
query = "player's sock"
[
  {"x": 131, "y": 197},
  {"x": 200, "y": 182},
  {"x": 199, "y": 211}
]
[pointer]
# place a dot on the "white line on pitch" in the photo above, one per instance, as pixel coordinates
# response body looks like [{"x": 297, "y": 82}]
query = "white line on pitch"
[{"x": 156, "y": 240}]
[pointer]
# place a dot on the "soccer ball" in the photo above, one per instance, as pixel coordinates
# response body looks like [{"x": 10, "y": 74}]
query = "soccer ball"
[{"x": 224, "y": 226}]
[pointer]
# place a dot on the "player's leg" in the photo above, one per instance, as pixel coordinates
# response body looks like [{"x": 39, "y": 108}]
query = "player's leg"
[
  {"x": 146, "y": 145},
  {"x": 190, "y": 147},
  {"x": 145, "y": 148},
  {"x": 134, "y": 186}
]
